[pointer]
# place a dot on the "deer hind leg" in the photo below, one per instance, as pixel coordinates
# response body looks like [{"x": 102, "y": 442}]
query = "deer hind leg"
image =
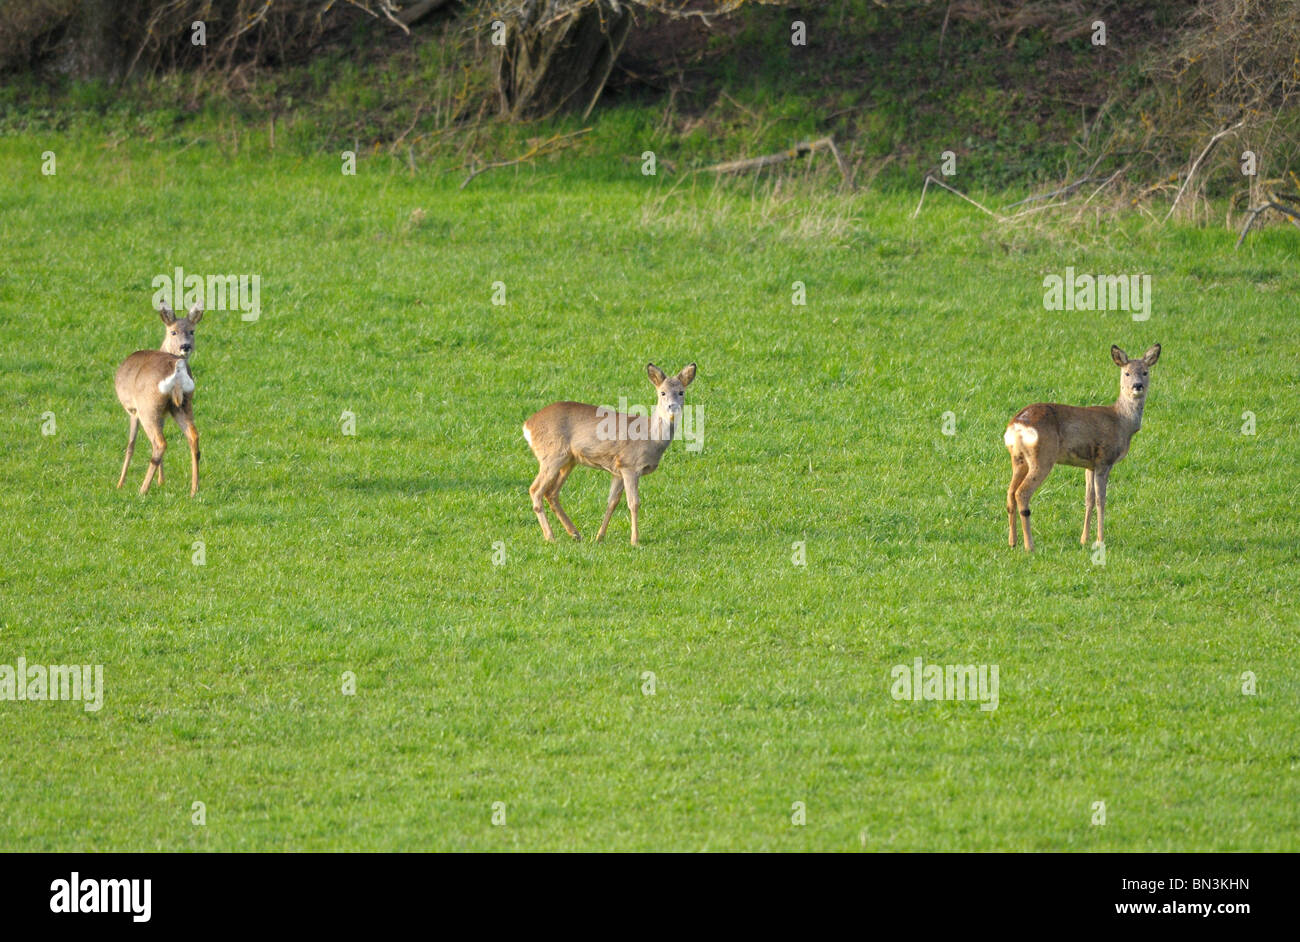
[
  {"x": 1019, "y": 468},
  {"x": 184, "y": 416},
  {"x": 1089, "y": 501},
  {"x": 541, "y": 485},
  {"x": 553, "y": 499},
  {"x": 1033, "y": 478},
  {"x": 153, "y": 430},
  {"x": 130, "y": 447},
  {"x": 615, "y": 494}
]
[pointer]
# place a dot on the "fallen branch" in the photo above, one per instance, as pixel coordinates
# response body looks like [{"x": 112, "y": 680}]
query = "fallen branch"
[
  {"x": 548, "y": 146},
  {"x": 419, "y": 11},
  {"x": 802, "y": 149},
  {"x": 931, "y": 178},
  {"x": 1252, "y": 214},
  {"x": 1068, "y": 188},
  {"x": 1104, "y": 183}
]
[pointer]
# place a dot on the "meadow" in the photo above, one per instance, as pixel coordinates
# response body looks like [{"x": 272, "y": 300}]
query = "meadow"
[{"x": 500, "y": 676}]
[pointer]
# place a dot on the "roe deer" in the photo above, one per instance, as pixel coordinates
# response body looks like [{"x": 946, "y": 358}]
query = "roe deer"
[
  {"x": 1090, "y": 437},
  {"x": 151, "y": 383},
  {"x": 568, "y": 433}
]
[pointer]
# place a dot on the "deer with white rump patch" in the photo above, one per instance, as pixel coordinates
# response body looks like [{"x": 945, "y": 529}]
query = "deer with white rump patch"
[
  {"x": 565, "y": 434},
  {"x": 1094, "y": 438},
  {"x": 152, "y": 383}
]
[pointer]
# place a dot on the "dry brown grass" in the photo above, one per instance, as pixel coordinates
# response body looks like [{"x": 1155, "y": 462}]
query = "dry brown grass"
[{"x": 792, "y": 205}]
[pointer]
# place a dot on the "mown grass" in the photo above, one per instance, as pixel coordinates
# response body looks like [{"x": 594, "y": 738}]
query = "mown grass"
[{"x": 522, "y": 683}]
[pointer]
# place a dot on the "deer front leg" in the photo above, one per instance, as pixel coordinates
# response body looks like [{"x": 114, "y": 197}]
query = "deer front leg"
[
  {"x": 184, "y": 416},
  {"x": 192, "y": 434},
  {"x": 1089, "y": 501},
  {"x": 615, "y": 493},
  {"x": 633, "y": 501},
  {"x": 1100, "y": 477}
]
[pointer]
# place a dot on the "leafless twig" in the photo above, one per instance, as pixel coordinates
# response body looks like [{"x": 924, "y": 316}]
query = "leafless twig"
[
  {"x": 548, "y": 146},
  {"x": 1191, "y": 173}
]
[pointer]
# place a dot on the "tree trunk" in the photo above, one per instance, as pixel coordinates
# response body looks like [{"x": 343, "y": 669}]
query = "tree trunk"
[
  {"x": 92, "y": 47},
  {"x": 561, "y": 65}
]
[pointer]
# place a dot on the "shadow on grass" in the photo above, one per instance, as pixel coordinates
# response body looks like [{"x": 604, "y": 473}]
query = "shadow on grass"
[{"x": 416, "y": 485}]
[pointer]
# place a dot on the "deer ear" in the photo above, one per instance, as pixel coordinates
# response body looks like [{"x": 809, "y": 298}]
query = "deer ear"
[
  {"x": 166, "y": 314},
  {"x": 1150, "y": 357},
  {"x": 656, "y": 375},
  {"x": 687, "y": 374},
  {"x": 196, "y": 314},
  {"x": 1119, "y": 356}
]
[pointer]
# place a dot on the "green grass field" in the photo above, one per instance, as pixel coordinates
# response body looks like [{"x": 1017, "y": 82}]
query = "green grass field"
[{"x": 522, "y": 683}]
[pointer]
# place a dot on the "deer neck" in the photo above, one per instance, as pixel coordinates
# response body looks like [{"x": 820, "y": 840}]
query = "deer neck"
[
  {"x": 661, "y": 433},
  {"x": 1129, "y": 412}
]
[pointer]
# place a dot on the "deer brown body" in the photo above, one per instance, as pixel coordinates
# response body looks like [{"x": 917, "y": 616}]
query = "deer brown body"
[
  {"x": 565, "y": 434},
  {"x": 1094, "y": 438},
  {"x": 154, "y": 383}
]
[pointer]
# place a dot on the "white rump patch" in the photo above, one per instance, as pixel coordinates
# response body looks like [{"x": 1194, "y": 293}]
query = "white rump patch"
[
  {"x": 528, "y": 436},
  {"x": 1016, "y": 432},
  {"x": 180, "y": 377}
]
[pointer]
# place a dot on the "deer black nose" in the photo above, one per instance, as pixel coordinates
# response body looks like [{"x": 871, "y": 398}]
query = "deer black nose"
[
  {"x": 187, "y": 347},
  {"x": 1137, "y": 387}
]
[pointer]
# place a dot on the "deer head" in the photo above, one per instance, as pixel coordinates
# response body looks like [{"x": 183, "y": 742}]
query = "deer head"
[
  {"x": 178, "y": 339},
  {"x": 672, "y": 391},
  {"x": 1133, "y": 382}
]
